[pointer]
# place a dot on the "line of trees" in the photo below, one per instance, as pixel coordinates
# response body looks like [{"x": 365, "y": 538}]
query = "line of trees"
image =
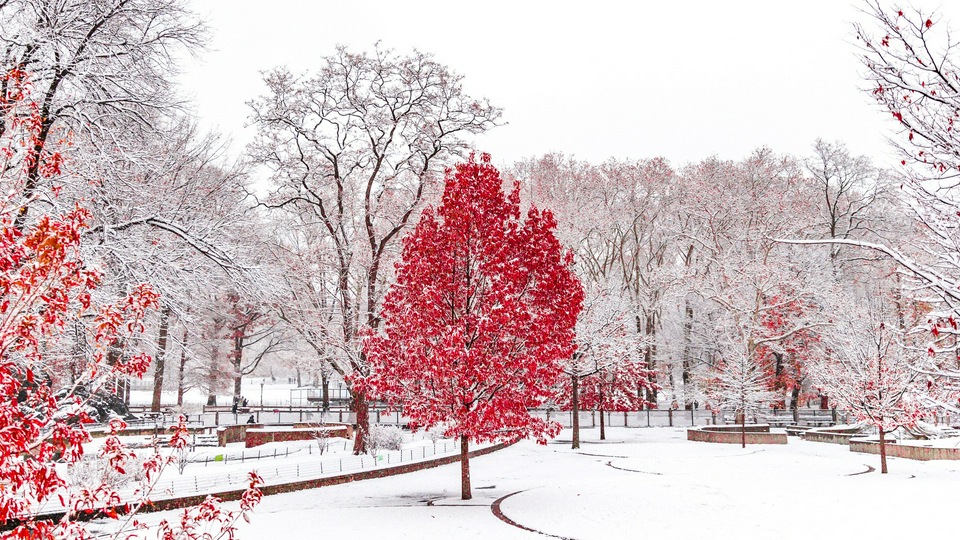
[{"x": 719, "y": 284}]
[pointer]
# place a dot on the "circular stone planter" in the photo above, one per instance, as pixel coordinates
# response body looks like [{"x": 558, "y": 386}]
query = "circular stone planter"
[{"x": 756, "y": 434}]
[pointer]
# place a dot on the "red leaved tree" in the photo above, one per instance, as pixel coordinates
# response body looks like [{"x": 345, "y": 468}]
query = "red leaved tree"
[
  {"x": 618, "y": 386},
  {"x": 606, "y": 372},
  {"x": 482, "y": 313},
  {"x": 45, "y": 285},
  {"x": 786, "y": 359}
]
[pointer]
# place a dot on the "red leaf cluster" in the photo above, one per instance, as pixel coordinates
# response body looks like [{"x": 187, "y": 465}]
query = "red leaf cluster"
[
  {"x": 482, "y": 313},
  {"x": 44, "y": 284}
]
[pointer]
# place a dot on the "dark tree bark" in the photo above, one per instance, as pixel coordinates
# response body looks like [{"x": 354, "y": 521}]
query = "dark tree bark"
[
  {"x": 182, "y": 374},
  {"x": 575, "y": 409},
  {"x": 883, "y": 452},
  {"x": 160, "y": 360},
  {"x": 465, "y": 492},
  {"x": 325, "y": 390},
  {"x": 359, "y": 404},
  {"x": 743, "y": 428}
]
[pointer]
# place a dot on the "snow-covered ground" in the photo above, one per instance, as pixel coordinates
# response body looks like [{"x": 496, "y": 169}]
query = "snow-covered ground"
[{"x": 649, "y": 483}]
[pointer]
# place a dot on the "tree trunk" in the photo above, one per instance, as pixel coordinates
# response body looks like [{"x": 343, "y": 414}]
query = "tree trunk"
[
  {"x": 743, "y": 429},
  {"x": 650, "y": 354},
  {"x": 465, "y": 492},
  {"x": 212, "y": 375},
  {"x": 182, "y": 374},
  {"x": 883, "y": 452},
  {"x": 160, "y": 360},
  {"x": 603, "y": 431},
  {"x": 237, "y": 359},
  {"x": 795, "y": 400},
  {"x": 325, "y": 390},
  {"x": 359, "y": 405},
  {"x": 687, "y": 364},
  {"x": 575, "y": 409}
]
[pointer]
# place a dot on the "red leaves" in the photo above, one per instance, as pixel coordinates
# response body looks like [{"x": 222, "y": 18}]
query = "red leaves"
[
  {"x": 44, "y": 286},
  {"x": 483, "y": 310},
  {"x": 928, "y": 24}
]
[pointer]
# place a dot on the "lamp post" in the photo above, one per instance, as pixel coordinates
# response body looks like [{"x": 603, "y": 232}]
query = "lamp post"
[{"x": 261, "y": 394}]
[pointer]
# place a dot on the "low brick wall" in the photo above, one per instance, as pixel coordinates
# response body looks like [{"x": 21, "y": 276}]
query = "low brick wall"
[
  {"x": 234, "y": 434},
  {"x": 749, "y": 428},
  {"x": 349, "y": 427},
  {"x": 261, "y": 436},
  {"x": 831, "y": 435},
  {"x": 908, "y": 451},
  {"x": 733, "y": 435}
]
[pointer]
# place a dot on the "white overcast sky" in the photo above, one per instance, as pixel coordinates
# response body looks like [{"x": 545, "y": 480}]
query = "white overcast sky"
[{"x": 683, "y": 79}]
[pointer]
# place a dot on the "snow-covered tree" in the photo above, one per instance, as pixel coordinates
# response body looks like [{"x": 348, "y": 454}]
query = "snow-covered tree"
[
  {"x": 868, "y": 371},
  {"x": 740, "y": 383},
  {"x": 480, "y": 318},
  {"x": 912, "y": 72},
  {"x": 354, "y": 150},
  {"x": 45, "y": 284},
  {"x": 96, "y": 67},
  {"x": 606, "y": 372}
]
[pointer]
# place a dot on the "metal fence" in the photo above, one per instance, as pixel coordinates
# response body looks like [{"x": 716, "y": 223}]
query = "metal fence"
[{"x": 634, "y": 419}]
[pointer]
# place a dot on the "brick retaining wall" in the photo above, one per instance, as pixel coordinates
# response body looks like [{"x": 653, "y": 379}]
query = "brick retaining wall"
[
  {"x": 234, "y": 434},
  {"x": 261, "y": 436},
  {"x": 829, "y": 437},
  {"x": 349, "y": 427},
  {"x": 734, "y": 436},
  {"x": 908, "y": 451}
]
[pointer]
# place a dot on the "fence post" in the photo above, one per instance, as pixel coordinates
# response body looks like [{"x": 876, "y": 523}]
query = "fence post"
[
  {"x": 670, "y": 416},
  {"x": 625, "y": 418},
  {"x": 648, "y": 416},
  {"x": 693, "y": 420}
]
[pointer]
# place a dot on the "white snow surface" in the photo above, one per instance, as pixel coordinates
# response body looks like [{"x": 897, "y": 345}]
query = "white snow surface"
[{"x": 649, "y": 483}]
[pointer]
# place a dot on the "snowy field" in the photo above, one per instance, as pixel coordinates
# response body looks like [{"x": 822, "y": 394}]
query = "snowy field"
[{"x": 649, "y": 483}]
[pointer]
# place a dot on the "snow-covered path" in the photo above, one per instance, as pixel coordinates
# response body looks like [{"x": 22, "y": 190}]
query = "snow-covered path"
[{"x": 649, "y": 483}]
